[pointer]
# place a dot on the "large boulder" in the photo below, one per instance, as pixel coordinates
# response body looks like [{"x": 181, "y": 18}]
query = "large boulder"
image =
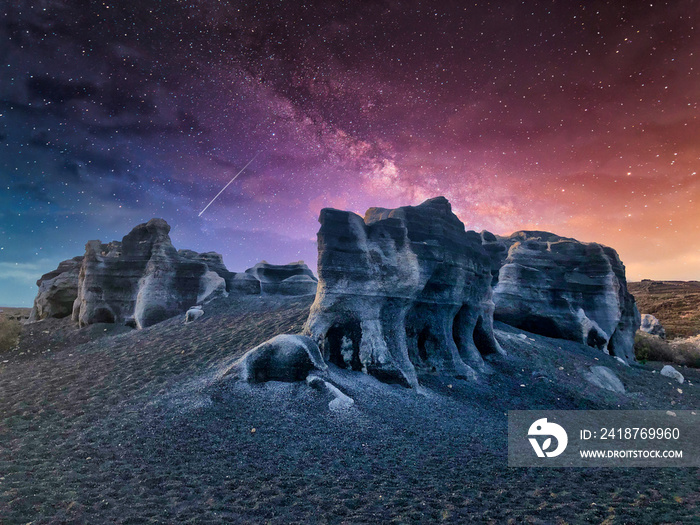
[
  {"x": 402, "y": 290},
  {"x": 652, "y": 326},
  {"x": 283, "y": 358},
  {"x": 284, "y": 279},
  {"x": 143, "y": 280},
  {"x": 560, "y": 287},
  {"x": 57, "y": 291}
]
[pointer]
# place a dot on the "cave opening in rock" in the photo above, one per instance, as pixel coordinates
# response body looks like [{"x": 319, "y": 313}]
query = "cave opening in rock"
[
  {"x": 611, "y": 343},
  {"x": 595, "y": 339},
  {"x": 542, "y": 326},
  {"x": 423, "y": 337},
  {"x": 103, "y": 315},
  {"x": 343, "y": 344},
  {"x": 482, "y": 339}
]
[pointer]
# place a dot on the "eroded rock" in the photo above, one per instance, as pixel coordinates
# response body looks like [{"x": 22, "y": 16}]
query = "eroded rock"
[
  {"x": 194, "y": 313},
  {"x": 57, "y": 291},
  {"x": 402, "y": 290},
  {"x": 283, "y": 358},
  {"x": 560, "y": 287},
  {"x": 603, "y": 377},
  {"x": 143, "y": 280},
  {"x": 284, "y": 279}
]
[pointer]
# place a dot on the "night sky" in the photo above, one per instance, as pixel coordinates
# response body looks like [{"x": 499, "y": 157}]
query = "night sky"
[{"x": 579, "y": 118}]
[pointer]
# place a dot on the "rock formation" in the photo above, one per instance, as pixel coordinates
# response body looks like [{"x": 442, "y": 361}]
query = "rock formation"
[
  {"x": 652, "y": 326},
  {"x": 563, "y": 288},
  {"x": 282, "y": 358},
  {"x": 57, "y": 291},
  {"x": 287, "y": 279},
  {"x": 141, "y": 280},
  {"x": 402, "y": 290}
]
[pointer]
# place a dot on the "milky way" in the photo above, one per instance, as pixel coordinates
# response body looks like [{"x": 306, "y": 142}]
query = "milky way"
[{"x": 577, "y": 118}]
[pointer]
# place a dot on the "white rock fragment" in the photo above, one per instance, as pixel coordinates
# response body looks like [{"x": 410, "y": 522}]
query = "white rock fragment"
[
  {"x": 193, "y": 314},
  {"x": 669, "y": 371},
  {"x": 622, "y": 361}
]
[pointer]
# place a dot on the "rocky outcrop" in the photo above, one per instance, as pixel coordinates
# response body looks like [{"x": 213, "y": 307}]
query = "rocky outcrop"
[
  {"x": 652, "y": 326},
  {"x": 283, "y": 358},
  {"x": 560, "y": 287},
  {"x": 57, "y": 291},
  {"x": 402, "y": 290},
  {"x": 286, "y": 279},
  {"x": 141, "y": 280}
]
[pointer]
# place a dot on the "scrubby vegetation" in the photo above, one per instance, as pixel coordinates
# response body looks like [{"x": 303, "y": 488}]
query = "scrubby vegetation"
[
  {"x": 675, "y": 303},
  {"x": 9, "y": 333},
  {"x": 653, "y": 348}
]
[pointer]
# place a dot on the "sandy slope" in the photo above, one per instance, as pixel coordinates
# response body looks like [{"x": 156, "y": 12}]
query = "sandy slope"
[{"x": 136, "y": 428}]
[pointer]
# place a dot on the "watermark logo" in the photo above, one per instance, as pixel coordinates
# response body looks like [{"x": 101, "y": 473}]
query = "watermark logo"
[{"x": 543, "y": 428}]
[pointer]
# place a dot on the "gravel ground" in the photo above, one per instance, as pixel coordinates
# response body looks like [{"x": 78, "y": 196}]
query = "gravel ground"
[{"x": 139, "y": 427}]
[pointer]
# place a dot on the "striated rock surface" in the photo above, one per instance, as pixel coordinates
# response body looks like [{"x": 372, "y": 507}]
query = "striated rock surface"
[
  {"x": 57, "y": 291},
  {"x": 402, "y": 290},
  {"x": 143, "y": 280},
  {"x": 140, "y": 281},
  {"x": 284, "y": 279},
  {"x": 652, "y": 326},
  {"x": 560, "y": 287}
]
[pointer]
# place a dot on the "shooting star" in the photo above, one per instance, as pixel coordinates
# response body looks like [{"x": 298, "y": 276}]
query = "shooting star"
[{"x": 229, "y": 183}]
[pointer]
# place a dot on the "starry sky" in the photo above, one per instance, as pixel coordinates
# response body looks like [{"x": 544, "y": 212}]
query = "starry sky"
[{"x": 579, "y": 118}]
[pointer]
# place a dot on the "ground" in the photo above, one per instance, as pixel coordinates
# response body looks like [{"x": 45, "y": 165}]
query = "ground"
[
  {"x": 138, "y": 427},
  {"x": 675, "y": 303}
]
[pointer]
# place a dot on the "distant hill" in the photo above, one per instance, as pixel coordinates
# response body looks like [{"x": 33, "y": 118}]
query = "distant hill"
[{"x": 675, "y": 303}]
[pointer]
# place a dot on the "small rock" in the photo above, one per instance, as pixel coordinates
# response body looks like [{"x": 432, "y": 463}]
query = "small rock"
[
  {"x": 603, "y": 377},
  {"x": 340, "y": 401},
  {"x": 669, "y": 371},
  {"x": 622, "y": 361},
  {"x": 193, "y": 314}
]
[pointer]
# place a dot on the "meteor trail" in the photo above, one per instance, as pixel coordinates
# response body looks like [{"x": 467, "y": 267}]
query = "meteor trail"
[{"x": 229, "y": 183}]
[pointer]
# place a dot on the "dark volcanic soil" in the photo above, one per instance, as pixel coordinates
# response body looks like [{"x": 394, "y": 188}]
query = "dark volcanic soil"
[{"x": 135, "y": 427}]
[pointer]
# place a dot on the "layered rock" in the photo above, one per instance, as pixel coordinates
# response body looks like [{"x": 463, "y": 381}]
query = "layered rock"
[
  {"x": 560, "y": 287},
  {"x": 57, "y": 291},
  {"x": 142, "y": 280},
  {"x": 286, "y": 279},
  {"x": 402, "y": 290}
]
